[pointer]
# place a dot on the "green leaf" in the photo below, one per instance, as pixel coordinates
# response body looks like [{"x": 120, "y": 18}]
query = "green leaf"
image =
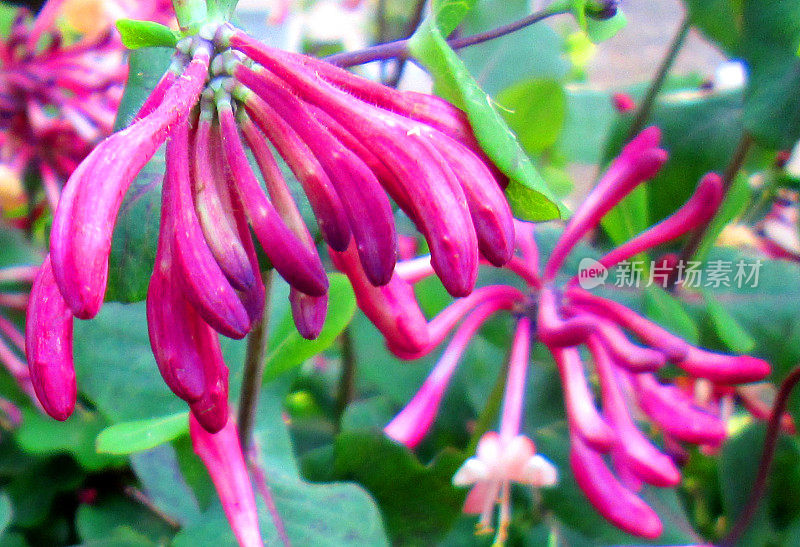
[
  {"x": 765, "y": 35},
  {"x": 118, "y": 373},
  {"x": 455, "y": 82},
  {"x": 535, "y": 110},
  {"x": 44, "y": 436},
  {"x": 729, "y": 330},
  {"x": 335, "y": 514},
  {"x": 449, "y": 13},
  {"x": 737, "y": 470},
  {"x": 601, "y": 30},
  {"x": 119, "y": 517},
  {"x": 6, "y": 512},
  {"x": 598, "y": 30},
  {"x": 719, "y": 20},
  {"x": 131, "y": 437},
  {"x": 668, "y": 311},
  {"x": 419, "y": 503},
  {"x": 771, "y": 34},
  {"x": 133, "y": 248},
  {"x": 289, "y": 349},
  {"x": 139, "y": 34},
  {"x": 159, "y": 473},
  {"x": 589, "y": 117},
  {"x": 534, "y": 52}
]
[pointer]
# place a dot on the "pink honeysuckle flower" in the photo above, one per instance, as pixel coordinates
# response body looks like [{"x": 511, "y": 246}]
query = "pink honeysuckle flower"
[
  {"x": 566, "y": 317},
  {"x": 496, "y": 464},
  {"x": 506, "y": 457},
  {"x": 222, "y": 456},
  {"x": 352, "y": 144},
  {"x": 623, "y": 103},
  {"x": 57, "y": 100}
]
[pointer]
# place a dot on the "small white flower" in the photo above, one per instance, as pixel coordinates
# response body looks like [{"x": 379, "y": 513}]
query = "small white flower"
[{"x": 497, "y": 463}]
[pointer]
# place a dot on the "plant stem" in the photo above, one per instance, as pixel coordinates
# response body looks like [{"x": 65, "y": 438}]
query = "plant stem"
[
  {"x": 252, "y": 378},
  {"x": 399, "y": 48},
  {"x": 767, "y": 455},
  {"x": 346, "y": 379},
  {"x": 143, "y": 499},
  {"x": 491, "y": 410},
  {"x": 413, "y": 24},
  {"x": 739, "y": 156},
  {"x": 646, "y": 106},
  {"x": 191, "y": 14}
]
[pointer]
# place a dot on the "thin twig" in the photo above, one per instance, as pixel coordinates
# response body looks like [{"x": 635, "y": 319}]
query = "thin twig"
[
  {"x": 767, "y": 455},
  {"x": 399, "y": 48},
  {"x": 736, "y": 163},
  {"x": 646, "y": 106},
  {"x": 492, "y": 409},
  {"x": 255, "y": 359},
  {"x": 141, "y": 497},
  {"x": 413, "y": 24},
  {"x": 347, "y": 378},
  {"x": 254, "y": 460}
]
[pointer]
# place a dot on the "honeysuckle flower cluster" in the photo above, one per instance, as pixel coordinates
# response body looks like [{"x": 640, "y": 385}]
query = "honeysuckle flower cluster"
[
  {"x": 350, "y": 142},
  {"x": 565, "y": 317},
  {"x": 57, "y": 100}
]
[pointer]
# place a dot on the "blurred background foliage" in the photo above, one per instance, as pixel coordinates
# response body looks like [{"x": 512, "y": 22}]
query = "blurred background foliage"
[{"x": 121, "y": 471}]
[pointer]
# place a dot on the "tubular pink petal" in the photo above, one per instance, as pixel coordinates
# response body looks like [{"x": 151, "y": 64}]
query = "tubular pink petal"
[
  {"x": 48, "y": 346},
  {"x": 515, "y": 382},
  {"x": 211, "y": 410},
  {"x": 254, "y": 298},
  {"x": 724, "y": 369},
  {"x": 308, "y": 313},
  {"x": 700, "y": 208},
  {"x": 488, "y": 206},
  {"x": 414, "y": 270},
  {"x": 300, "y": 266},
  {"x": 385, "y": 176},
  {"x": 674, "y": 412},
  {"x": 437, "y": 201},
  {"x": 616, "y": 503},
  {"x": 428, "y": 109},
  {"x": 172, "y": 324},
  {"x": 392, "y": 308},
  {"x": 222, "y": 456},
  {"x": 367, "y": 206},
  {"x": 526, "y": 241},
  {"x": 84, "y": 222},
  {"x": 637, "y": 453},
  {"x": 209, "y": 183},
  {"x": 579, "y": 401},
  {"x": 171, "y": 321},
  {"x": 673, "y": 347},
  {"x": 411, "y": 425},
  {"x": 639, "y": 161},
  {"x": 156, "y": 97},
  {"x": 552, "y": 330},
  {"x": 500, "y": 296},
  {"x": 325, "y": 202},
  {"x": 625, "y": 353},
  {"x": 203, "y": 282}
]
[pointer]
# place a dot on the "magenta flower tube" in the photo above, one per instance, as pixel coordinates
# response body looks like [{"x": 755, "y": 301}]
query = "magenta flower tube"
[{"x": 222, "y": 456}]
